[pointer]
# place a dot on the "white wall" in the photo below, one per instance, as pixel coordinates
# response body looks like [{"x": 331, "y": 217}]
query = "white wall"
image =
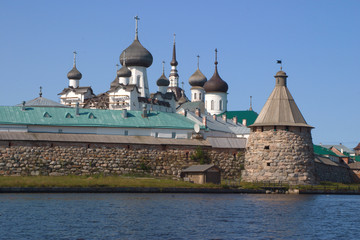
[{"x": 216, "y": 97}]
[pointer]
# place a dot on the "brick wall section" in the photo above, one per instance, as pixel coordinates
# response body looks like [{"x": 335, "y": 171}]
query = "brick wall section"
[{"x": 56, "y": 158}]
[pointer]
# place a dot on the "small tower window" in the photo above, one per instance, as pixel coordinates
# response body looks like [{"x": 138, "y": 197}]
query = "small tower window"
[
  {"x": 220, "y": 104},
  {"x": 68, "y": 115},
  {"x": 212, "y": 105},
  {"x": 47, "y": 115},
  {"x": 194, "y": 96},
  {"x": 199, "y": 96}
]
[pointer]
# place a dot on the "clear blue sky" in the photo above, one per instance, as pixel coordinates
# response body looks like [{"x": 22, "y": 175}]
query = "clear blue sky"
[{"x": 318, "y": 42}]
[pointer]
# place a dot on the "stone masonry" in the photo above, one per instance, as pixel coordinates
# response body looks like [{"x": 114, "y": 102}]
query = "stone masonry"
[
  {"x": 54, "y": 159},
  {"x": 280, "y": 154}
]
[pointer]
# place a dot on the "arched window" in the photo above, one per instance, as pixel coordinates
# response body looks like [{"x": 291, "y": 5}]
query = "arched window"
[
  {"x": 138, "y": 81},
  {"x": 194, "y": 96},
  {"x": 199, "y": 96},
  {"x": 220, "y": 105},
  {"x": 212, "y": 105}
]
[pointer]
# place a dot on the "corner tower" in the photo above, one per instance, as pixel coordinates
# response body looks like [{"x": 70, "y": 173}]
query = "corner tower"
[
  {"x": 138, "y": 59},
  {"x": 280, "y": 146}
]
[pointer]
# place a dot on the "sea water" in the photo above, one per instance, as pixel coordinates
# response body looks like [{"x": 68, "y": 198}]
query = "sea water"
[{"x": 178, "y": 216}]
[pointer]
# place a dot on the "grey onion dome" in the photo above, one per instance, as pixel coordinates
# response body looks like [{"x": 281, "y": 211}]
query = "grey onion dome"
[
  {"x": 163, "y": 81},
  {"x": 74, "y": 74},
  {"x": 216, "y": 84},
  {"x": 198, "y": 79},
  {"x": 136, "y": 55},
  {"x": 124, "y": 72}
]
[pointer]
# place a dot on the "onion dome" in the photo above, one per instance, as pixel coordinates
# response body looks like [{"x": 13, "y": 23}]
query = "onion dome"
[
  {"x": 163, "y": 81},
  {"x": 198, "y": 79},
  {"x": 216, "y": 84},
  {"x": 136, "y": 54},
  {"x": 124, "y": 72},
  {"x": 74, "y": 73},
  {"x": 182, "y": 99}
]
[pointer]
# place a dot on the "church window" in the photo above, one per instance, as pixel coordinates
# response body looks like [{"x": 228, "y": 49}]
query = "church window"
[
  {"x": 199, "y": 96},
  {"x": 194, "y": 96},
  {"x": 173, "y": 134},
  {"x": 220, "y": 104},
  {"x": 212, "y": 105},
  {"x": 138, "y": 81},
  {"x": 126, "y": 133},
  {"x": 156, "y": 134}
]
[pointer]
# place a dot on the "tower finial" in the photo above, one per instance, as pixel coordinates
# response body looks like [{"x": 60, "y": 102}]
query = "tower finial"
[
  {"x": 40, "y": 93},
  {"x": 279, "y": 62},
  {"x": 182, "y": 85},
  {"x": 216, "y": 62},
  {"x": 250, "y": 109},
  {"x": 198, "y": 60},
  {"x": 163, "y": 63},
  {"x": 136, "y": 26},
  {"x": 174, "y": 37},
  {"x": 75, "y": 58}
]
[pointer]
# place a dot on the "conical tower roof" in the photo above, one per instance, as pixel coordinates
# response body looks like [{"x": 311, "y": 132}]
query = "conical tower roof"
[{"x": 280, "y": 109}]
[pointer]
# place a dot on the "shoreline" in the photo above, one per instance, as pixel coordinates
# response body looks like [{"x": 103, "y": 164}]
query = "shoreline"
[{"x": 163, "y": 190}]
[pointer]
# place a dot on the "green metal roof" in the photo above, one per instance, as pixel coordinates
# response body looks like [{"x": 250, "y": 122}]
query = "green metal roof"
[
  {"x": 249, "y": 115},
  {"x": 356, "y": 158},
  {"x": 319, "y": 150},
  {"x": 52, "y": 116}
]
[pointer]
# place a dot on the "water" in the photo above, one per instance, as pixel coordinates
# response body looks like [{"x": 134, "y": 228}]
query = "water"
[{"x": 178, "y": 216}]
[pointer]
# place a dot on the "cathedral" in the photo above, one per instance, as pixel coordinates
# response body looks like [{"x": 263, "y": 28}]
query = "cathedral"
[{"x": 130, "y": 88}]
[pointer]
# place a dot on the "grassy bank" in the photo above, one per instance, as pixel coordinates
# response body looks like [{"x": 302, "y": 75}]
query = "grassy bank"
[{"x": 96, "y": 181}]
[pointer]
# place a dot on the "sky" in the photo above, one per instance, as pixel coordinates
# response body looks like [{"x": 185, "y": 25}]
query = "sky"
[{"x": 317, "y": 41}]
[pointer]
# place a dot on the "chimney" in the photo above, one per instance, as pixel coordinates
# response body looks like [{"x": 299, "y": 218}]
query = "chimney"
[
  {"x": 214, "y": 117},
  {"x": 124, "y": 113},
  {"x": 204, "y": 121},
  {"x": 23, "y": 106},
  {"x": 235, "y": 120},
  {"x": 197, "y": 112},
  {"x": 77, "y": 112},
  {"x": 224, "y": 118},
  {"x": 244, "y": 122},
  {"x": 185, "y": 113}
]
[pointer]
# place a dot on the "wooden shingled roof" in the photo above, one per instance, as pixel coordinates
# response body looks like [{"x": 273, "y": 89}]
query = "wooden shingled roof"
[{"x": 280, "y": 109}]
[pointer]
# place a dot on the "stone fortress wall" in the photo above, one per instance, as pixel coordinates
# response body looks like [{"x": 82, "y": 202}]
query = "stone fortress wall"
[{"x": 59, "y": 158}]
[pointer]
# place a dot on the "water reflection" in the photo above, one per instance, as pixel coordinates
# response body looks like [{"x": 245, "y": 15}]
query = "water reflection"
[{"x": 177, "y": 216}]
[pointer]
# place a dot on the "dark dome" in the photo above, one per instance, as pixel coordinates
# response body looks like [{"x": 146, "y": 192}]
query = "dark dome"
[
  {"x": 124, "y": 72},
  {"x": 163, "y": 81},
  {"x": 197, "y": 79},
  {"x": 136, "y": 55},
  {"x": 74, "y": 74},
  {"x": 215, "y": 84}
]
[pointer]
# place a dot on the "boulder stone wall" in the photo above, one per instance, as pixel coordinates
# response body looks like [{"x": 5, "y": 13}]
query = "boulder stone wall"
[{"x": 59, "y": 158}]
